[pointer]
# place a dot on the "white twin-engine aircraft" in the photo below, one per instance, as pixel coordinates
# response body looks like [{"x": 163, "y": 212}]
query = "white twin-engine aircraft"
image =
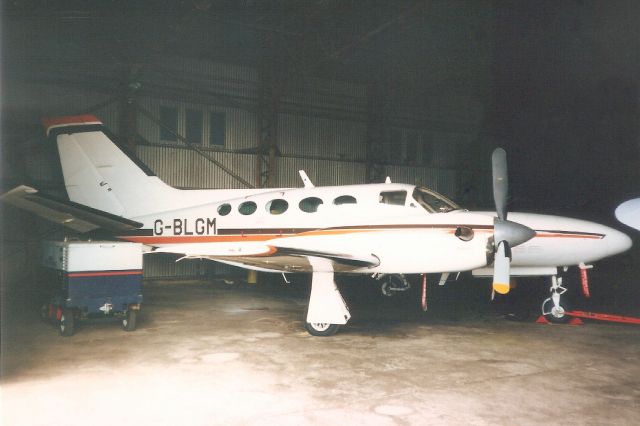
[{"x": 370, "y": 229}]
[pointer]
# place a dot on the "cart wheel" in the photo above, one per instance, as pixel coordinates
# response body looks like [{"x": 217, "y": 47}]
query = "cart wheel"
[
  {"x": 129, "y": 321},
  {"x": 67, "y": 323}
]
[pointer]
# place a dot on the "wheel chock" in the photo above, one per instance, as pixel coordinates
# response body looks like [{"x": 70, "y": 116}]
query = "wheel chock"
[
  {"x": 573, "y": 321},
  {"x": 542, "y": 320}
]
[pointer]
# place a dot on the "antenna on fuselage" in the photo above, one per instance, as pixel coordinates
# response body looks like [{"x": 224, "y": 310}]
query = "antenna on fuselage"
[
  {"x": 387, "y": 180},
  {"x": 305, "y": 179}
]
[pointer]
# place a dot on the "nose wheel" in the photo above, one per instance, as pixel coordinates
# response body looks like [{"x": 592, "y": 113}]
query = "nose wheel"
[{"x": 554, "y": 308}]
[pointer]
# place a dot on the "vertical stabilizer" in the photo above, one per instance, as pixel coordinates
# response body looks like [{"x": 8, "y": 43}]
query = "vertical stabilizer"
[{"x": 100, "y": 173}]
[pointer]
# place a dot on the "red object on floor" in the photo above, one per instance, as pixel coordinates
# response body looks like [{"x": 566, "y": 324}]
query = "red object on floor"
[
  {"x": 594, "y": 316},
  {"x": 542, "y": 320},
  {"x": 573, "y": 321},
  {"x": 604, "y": 317}
]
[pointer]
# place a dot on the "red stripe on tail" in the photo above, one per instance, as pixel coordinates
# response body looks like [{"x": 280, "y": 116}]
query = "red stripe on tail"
[{"x": 69, "y": 121}]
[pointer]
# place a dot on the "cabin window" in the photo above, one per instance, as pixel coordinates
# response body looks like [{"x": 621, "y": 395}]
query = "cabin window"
[
  {"x": 224, "y": 209},
  {"x": 277, "y": 206},
  {"x": 169, "y": 120},
  {"x": 310, "y": 204},
  {"x": 247, "y": 208},
  {"x": 395, "y": 198},
  {"x": 344, "y": 199}
]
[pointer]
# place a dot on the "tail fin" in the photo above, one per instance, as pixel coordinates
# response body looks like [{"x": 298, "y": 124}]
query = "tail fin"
[{"x": 100, "y": 173}]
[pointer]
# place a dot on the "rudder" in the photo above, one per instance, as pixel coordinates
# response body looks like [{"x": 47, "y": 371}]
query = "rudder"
[{"x": 100, "y": 173}]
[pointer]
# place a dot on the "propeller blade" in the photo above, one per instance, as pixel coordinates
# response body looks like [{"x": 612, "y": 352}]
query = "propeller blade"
[
  {"x": 500, "y": 181},
  {"x": 501, "y": 268}
]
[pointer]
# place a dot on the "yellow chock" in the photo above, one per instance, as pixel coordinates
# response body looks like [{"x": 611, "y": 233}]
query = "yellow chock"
[{"x": 252, "y": 277}]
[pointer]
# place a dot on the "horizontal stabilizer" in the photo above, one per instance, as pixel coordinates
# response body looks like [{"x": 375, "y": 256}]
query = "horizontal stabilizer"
[{"x": 72, "y": 215}]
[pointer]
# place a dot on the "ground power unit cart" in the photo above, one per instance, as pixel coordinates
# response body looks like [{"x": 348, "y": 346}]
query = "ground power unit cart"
[{"x": 91, "y": 278}]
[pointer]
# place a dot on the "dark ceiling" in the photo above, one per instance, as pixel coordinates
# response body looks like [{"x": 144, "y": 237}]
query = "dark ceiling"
[{"x": 418, "y": 44}]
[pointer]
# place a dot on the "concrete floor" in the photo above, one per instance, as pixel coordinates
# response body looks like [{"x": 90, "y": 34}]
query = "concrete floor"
[{"x": 213, "y": 354}]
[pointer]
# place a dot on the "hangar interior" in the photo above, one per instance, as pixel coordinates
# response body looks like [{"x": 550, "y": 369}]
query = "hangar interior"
[{"x": 243, "y": 94}]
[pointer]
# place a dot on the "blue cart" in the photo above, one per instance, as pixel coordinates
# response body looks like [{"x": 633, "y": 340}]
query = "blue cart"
[{"x": 92, "y": 279}]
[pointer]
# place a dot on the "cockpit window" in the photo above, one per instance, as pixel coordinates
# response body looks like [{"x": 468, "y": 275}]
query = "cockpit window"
[
  {"x": 395, "y": 198},
  {"x": 433, "y": 202}
]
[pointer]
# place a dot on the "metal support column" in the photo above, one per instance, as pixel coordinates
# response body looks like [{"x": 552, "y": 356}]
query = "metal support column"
[
  {"x": 269, "y": 105},
  {"x": 377, "y": 130},
  {"x": 128, "y": 117}
]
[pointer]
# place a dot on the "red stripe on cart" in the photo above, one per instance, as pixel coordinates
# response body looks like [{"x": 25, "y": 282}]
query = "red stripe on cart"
[{"x": 103, "y": 274}]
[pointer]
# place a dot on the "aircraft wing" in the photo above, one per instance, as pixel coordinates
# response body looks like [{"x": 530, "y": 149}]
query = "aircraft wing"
[
  {"x": 356, "y": 260},
  {"x": 269, "y": 256},
  {"x": 72, "y": 215}
]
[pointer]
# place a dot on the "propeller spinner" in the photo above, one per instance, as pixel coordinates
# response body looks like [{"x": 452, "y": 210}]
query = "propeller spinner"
[{"x": 506, "y": 234}]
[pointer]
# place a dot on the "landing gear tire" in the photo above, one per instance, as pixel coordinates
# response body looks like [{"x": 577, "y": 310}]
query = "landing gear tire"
[
  {"x": 67, "y": 323},
  {"x": 385, "y": 289},
  {"x": 321, "y": 328},
  {"x": 129, "y": 321},
  {"x": 393, "y": 283},
  {"x": 555, "y": 314}
]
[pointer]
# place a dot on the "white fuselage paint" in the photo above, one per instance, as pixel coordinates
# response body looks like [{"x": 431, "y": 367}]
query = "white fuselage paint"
[{"x": 405, "y": 238}]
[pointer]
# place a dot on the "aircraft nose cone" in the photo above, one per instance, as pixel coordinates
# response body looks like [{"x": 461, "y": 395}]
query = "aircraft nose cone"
[{"x": 617, "y": 242}]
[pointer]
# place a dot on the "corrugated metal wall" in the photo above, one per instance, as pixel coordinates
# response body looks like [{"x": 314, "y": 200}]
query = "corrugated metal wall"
[{"x": 322, "y": 129}]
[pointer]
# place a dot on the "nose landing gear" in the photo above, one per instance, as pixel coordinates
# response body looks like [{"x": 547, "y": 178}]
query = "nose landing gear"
[{"x": 554, "y": 308}]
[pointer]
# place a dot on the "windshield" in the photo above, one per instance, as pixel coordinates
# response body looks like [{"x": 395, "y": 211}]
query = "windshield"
[{"x": 433, "y": 202}]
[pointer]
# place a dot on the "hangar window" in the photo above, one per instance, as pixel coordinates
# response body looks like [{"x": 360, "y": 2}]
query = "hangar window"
[
  {"x": 344, "y": 199},
  {"x": 217, "y": 129},
  {"x": 310, "y": 204},
  {"x": 169, "y": 120},
  {"x": 247, "y": 208},
  {"x": 224, "y": 209},
  {"x": 193, "y": 120},
  {"x": 277, "y": 206},
  {"x": 395, "y": 198}
]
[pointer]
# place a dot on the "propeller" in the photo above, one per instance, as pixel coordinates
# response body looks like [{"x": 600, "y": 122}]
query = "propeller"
[{"x": 506, "y": 234}]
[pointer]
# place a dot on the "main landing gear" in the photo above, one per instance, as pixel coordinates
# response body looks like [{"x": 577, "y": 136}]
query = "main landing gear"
[
  {"x": 554, "y": 308},
  {"x": 327, "y": 309},
  {"x": 321, "y": 328},
  {"x": 392, "y": 284}
]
